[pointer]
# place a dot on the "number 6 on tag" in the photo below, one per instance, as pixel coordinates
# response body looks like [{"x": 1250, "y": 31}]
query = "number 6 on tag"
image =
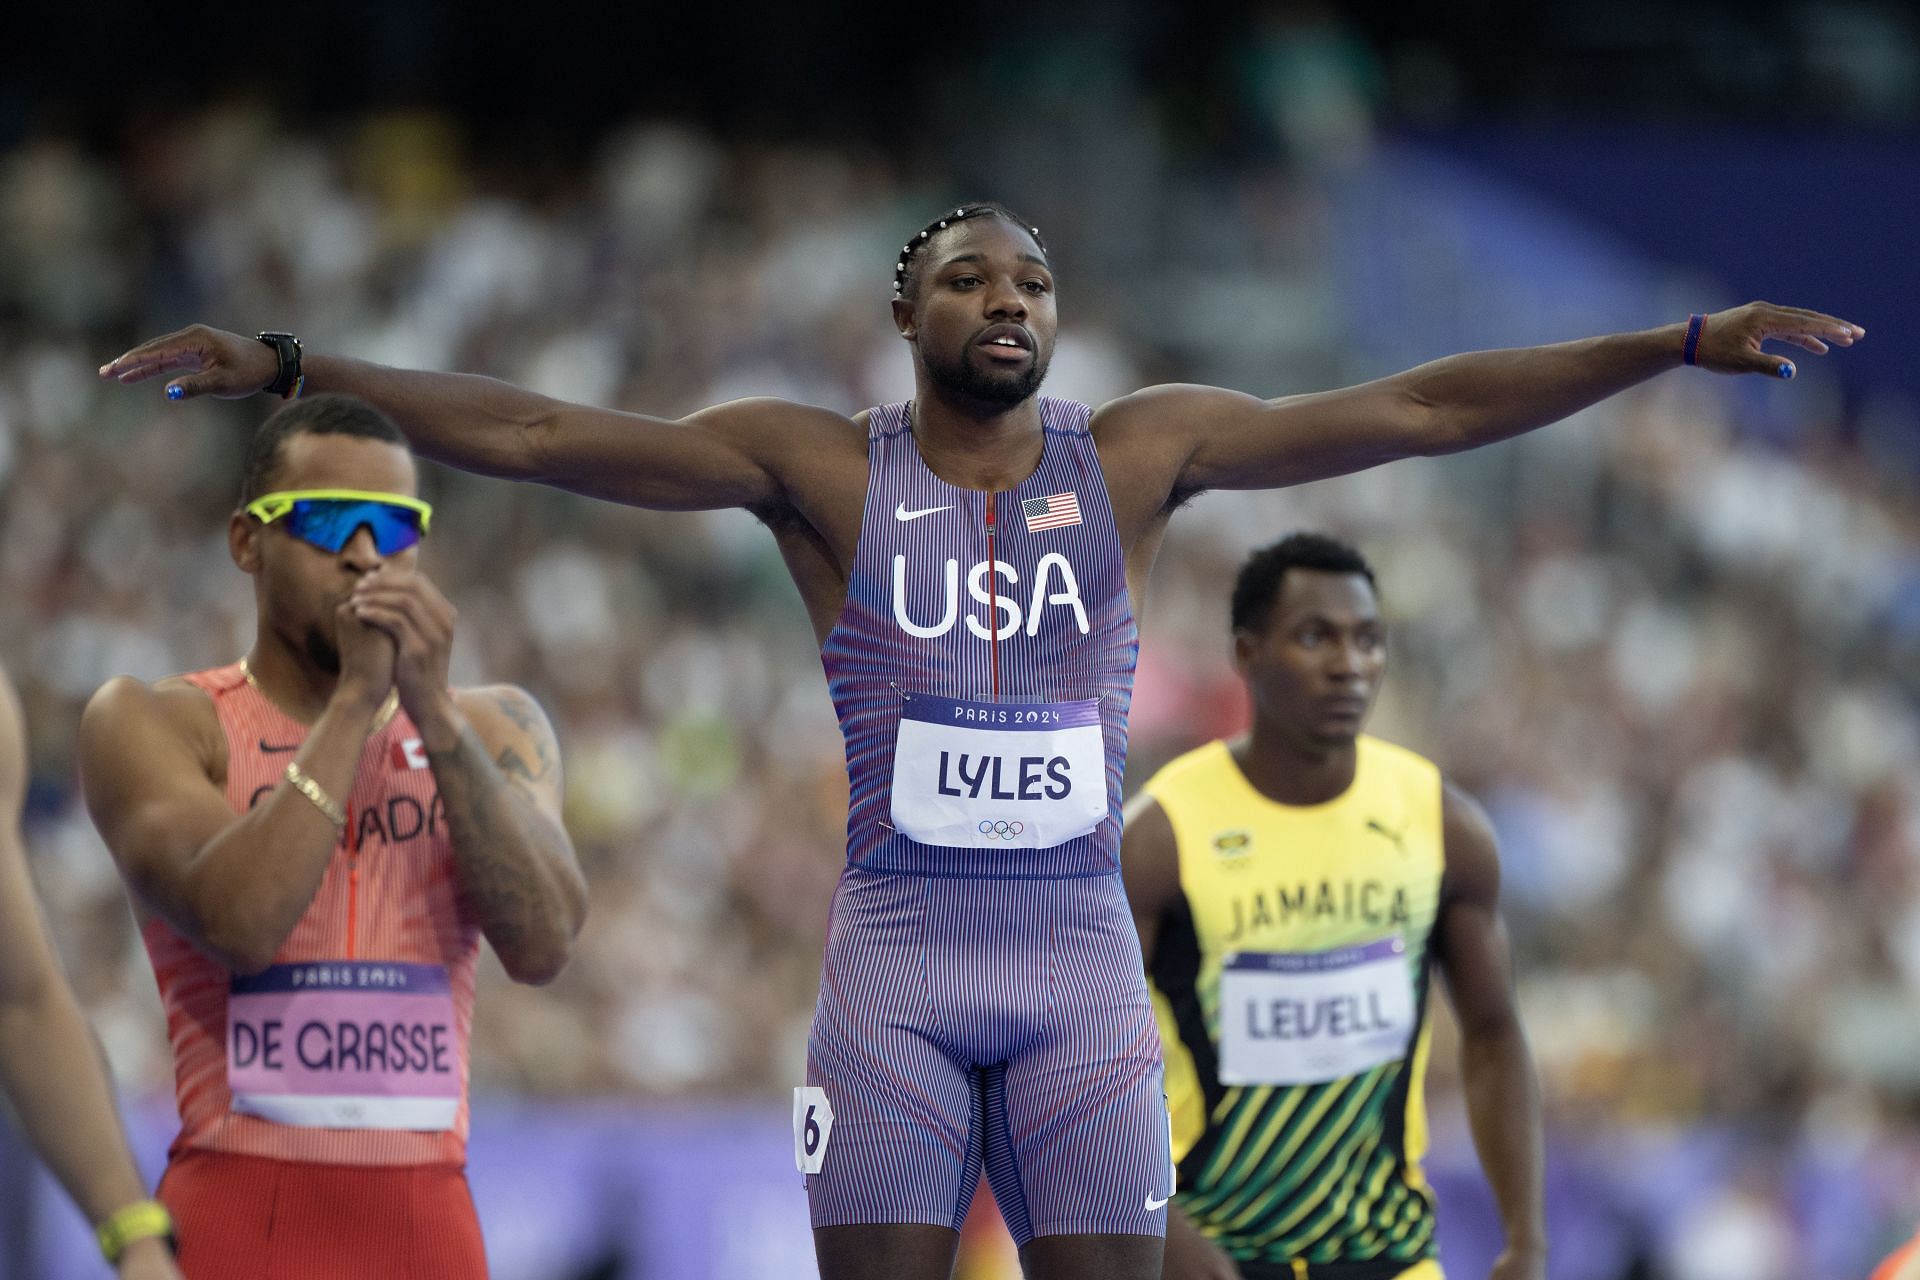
[{"x": 812, "y": 1125}]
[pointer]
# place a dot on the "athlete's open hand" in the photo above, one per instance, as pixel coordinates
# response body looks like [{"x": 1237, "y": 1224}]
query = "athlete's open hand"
[
  {"x": 402, "y": 603},
  {"x": 1191, "y": 1256},
  {"x": 1732, "y": 341},
  {"x": 214, "y": 362},
  {"x": 148, "y": 1260}
]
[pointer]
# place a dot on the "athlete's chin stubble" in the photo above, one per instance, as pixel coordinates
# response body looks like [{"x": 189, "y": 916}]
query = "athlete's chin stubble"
[{"x": 963, "y": 379}]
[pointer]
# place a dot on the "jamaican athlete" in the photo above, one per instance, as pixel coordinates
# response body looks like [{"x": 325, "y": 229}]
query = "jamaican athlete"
[{"x": 1294, "y": 892}]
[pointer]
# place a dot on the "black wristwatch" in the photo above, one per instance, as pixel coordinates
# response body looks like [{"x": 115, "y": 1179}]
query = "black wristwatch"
[{"x": 286, "y": 384}]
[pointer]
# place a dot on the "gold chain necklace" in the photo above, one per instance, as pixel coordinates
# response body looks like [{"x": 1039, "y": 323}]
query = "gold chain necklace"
[{"x": 387, "y": 708}]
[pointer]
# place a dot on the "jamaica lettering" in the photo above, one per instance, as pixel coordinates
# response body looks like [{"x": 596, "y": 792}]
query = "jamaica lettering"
[{"x": 1371, "y": 902}]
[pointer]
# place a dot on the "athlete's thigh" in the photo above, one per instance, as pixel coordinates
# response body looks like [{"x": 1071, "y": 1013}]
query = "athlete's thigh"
[
  {"x": 1076, "y": 1124},
  {"x": 887, "y": 1128},
  {"x": 898, "y": 1252},
  {"x": 1108, "y": 1257},
  {"x": 223, "y": 1210},
  {"x": 445, "y": 1242}
]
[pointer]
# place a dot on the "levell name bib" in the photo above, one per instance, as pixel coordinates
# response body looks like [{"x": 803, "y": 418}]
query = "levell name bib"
[{"x": 1290, "y": 1018}]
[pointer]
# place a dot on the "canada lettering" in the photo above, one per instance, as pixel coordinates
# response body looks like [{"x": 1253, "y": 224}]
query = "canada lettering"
[
  {"x": 400, "y": 819},
  {"x": 1032, "y": 778},
  {"x": 344, "y": 1045},
  {"x": 1332, "y": 1017}
]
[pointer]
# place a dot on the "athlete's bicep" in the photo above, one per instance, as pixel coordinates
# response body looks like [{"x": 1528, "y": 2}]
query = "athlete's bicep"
[
  {"x": 1220, "y": 439},
  {"x": 1150, "y": 869},
  {"x": 148, "y": 792},
  {"x": 730, "y": 455},
  {"x": 1473, "y": 949}
]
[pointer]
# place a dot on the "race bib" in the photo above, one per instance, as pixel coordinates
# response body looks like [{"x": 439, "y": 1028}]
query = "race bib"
[
  {"x": 998, "y": 775},
  {"x": 345, "y": 1044},
  {"x": 1309, "y": 1017}
]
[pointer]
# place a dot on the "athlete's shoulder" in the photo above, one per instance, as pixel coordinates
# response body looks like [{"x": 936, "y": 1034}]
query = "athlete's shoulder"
[
  {"x": 1379, "y": 754},
  {"x": 128, "y": 714},
  {"x": 498, "y": 710},
  {"x": 1202, "y": 763},
  {"x": 751, "y": 413},
  {"x": 771, "y": 428},
  {"x": 1072, "y": 417}
]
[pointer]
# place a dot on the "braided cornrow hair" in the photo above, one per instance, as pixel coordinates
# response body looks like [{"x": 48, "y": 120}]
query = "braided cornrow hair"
[{"x": 903, "y": 270}]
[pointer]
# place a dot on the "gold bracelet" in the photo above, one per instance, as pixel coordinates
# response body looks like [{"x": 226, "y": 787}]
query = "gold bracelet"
[
  {"x": 321, "y": 800},
  {"x": 141, "y": 1220}
]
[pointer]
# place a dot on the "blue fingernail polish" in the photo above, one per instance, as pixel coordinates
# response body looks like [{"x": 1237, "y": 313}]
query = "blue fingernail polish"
[
  {"x": 1786, "y": 371},
  {"x": 174, "y": 393}
]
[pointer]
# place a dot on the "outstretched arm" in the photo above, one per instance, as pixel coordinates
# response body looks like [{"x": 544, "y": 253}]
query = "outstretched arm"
[
  {"x": 50, "y": 1065},
  {"x": 1503, "y": 1095},
  {"x": 732, "y": 455},
  {"x": 1207, "y": 438}
]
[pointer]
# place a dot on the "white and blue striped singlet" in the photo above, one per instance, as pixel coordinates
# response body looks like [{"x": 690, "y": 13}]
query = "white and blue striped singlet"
[{"x": 1017, "y": 598}]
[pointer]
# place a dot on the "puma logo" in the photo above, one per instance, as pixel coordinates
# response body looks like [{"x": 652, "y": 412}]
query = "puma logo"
[{"x": 1380, "y": 829}]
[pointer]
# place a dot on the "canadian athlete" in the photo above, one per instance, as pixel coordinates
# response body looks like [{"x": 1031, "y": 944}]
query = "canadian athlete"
[
  {"x": 972, "y": 561},
  {"x": 51, "y": 1067},
  {"x": 316, "y": 837},
  {"x": 1296, "y": 890}
]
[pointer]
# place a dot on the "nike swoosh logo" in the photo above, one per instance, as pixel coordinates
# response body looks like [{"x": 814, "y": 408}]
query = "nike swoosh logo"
[
  {"x": 272, "y": 750},
  {"x": 1153, "y": 1204},
  {"x": 901, "y": 513}
]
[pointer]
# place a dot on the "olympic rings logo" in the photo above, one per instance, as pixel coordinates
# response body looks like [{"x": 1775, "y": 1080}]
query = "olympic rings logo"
[{"x": 1001, "y": 829}]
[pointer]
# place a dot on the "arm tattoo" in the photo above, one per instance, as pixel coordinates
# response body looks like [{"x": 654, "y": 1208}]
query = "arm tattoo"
[
  {"x": 509, "y": 857},
  {"x": 514, "y": 706}
]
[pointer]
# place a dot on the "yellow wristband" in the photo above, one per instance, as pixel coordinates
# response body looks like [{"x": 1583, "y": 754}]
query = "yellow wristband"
[
  {"x": 321, "y": 800},
  {"x": 141, "y": 1220}
]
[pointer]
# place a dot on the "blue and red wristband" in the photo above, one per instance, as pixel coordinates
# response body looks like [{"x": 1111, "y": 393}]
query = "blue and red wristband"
[{"x": 1690, "y": 353}]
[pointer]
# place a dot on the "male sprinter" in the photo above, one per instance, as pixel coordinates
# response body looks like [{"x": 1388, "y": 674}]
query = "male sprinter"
[
  {"x": 49, "y": 1063},
  {"x": 970, "y": 561},
  {"x": 316, "y": 837},
  {"x": 1292, "y": 889}
]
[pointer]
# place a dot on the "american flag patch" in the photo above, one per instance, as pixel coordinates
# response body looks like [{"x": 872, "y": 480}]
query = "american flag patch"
[{"x": 1055, "y": 511}]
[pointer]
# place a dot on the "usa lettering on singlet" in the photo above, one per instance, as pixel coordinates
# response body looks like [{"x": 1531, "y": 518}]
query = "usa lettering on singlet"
[
  {"x": 352, "y": 1046},
  {"x": 983, "y": 665}
]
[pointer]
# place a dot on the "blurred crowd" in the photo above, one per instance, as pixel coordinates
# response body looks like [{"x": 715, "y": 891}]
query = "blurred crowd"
[{"x": 1677, "y": 659}]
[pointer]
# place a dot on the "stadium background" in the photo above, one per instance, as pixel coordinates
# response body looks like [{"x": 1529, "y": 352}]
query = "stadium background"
[{"x": 1674, "y": 644}]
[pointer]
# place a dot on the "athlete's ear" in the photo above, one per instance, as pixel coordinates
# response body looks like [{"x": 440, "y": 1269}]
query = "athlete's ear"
[
  {"x": 903, "y": 319},
  {"x": 243, "y": 541},
  {"x": 1244, "y": 644}
]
